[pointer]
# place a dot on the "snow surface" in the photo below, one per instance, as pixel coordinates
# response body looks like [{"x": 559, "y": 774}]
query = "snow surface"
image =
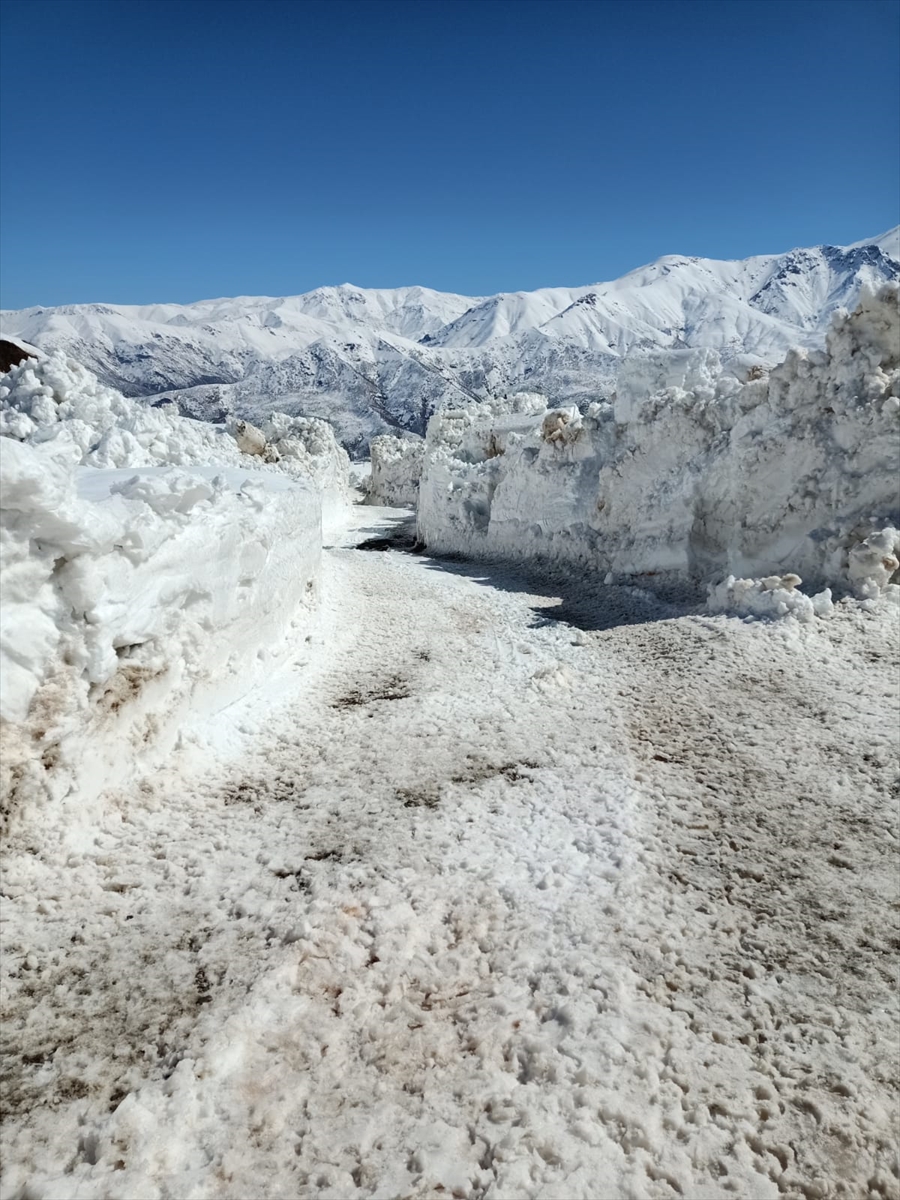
[
  {"x": 495, "y": 891},
  {"x": 888, "y": 242},
  {"x": 58, "y": 402},
  {"x": 689, "y": 475},
  {"x": 374, "y": 361}
]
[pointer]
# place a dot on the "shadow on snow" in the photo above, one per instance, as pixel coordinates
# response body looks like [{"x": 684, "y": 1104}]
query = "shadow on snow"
[{"x": 581, "y": 602}]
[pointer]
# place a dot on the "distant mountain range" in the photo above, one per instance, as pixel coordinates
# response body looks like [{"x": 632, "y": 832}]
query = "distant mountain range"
[{"x": 372, "y": 361}]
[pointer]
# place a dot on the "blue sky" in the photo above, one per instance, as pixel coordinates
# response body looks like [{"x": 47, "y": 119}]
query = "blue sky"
[{"x": 157, "y": 150}]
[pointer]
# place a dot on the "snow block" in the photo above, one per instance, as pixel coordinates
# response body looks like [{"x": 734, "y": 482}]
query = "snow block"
[
  {"x": 396, "y": 470},
  {"x": 56, "y": 401}
]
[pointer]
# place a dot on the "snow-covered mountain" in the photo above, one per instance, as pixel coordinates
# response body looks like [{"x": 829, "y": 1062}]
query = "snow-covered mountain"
[{"x": 373, "y": 360}]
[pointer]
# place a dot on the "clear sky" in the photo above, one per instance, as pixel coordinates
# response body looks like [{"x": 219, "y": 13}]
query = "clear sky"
[{"x": 174, "y": 150}]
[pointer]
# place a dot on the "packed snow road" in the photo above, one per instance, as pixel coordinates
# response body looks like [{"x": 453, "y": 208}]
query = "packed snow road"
[{"x": 475, "y": 902}]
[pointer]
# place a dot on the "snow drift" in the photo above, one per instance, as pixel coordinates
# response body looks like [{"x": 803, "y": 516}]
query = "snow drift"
[
  {"x": 148, "y": 564},
  {"x": 690, "y": 474}
]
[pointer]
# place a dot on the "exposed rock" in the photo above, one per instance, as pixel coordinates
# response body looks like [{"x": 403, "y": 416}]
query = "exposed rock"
[{"x": 11, "y": 355}]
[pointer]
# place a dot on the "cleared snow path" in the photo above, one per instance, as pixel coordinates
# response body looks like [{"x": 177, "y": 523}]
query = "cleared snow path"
[{"x": 482, "y": 905}]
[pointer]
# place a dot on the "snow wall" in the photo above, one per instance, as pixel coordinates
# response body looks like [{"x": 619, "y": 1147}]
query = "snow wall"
[
  {"x": 151, "y": 569},
  {"x": 56, "y": 400},
  {"x": 396, "y": 470},
  {"x": 691, "y": 475}
]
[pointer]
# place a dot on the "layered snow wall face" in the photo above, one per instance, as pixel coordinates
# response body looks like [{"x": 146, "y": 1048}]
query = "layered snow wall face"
[
  {"x": 691, "y": 474},
  {"x": 396, "y": 471},
  {"x": 148, "y": 565}
]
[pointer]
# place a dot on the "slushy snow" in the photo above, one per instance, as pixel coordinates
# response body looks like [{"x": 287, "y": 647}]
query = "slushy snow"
[{"x": 471, "y": 900}]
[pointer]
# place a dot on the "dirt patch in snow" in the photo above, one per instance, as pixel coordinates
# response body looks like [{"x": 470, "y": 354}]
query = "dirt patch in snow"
[
  {"x": 124, "y": 687},
  {"x": 281, "y": 785},
  {"x": 95, "y": 1020},
  {"x": 395, "y": 687}
]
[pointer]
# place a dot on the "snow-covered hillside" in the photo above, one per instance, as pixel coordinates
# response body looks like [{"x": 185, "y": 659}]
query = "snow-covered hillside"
[{"x": 373, "y": 361}]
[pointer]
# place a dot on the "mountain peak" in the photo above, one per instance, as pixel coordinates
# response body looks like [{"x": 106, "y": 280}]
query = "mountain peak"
[{"x": 888, "y": 242}]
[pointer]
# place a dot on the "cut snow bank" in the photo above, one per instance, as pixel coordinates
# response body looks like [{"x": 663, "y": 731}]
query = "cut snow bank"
[
  {"x": 56, "y": 400},
  {"x": 691, "y": 475},
  {"x": 130, "y": 599},
  {"x": 396, "y": 470},
  {"x": 149, "y": 568}
]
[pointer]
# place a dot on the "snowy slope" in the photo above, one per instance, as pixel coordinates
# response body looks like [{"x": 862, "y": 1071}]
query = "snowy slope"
[
  {"x": 374, "y": 360},
  {"x": 888, "y": 242}
]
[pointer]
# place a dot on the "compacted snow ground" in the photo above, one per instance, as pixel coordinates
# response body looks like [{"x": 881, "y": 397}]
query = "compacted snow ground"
[{"x": 474, "y": 901}]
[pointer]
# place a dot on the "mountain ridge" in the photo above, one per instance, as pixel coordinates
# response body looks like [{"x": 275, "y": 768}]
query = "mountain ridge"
[{"x": 373, "y": 360}]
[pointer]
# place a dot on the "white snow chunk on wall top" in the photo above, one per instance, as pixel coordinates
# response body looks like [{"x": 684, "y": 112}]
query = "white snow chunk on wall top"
[{"x": 58, "y": 401}]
